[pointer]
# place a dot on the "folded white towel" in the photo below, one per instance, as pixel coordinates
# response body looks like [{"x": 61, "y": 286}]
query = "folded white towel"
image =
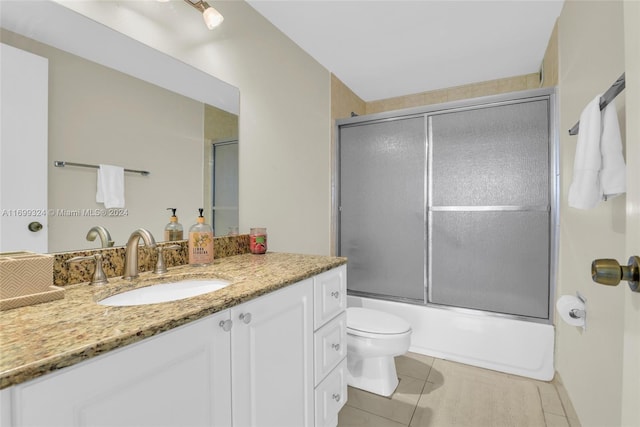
[
  {"x": 585, "y": 191},
  {"x": 613, "y": 175},
  {"x": 110, "y": 188}
]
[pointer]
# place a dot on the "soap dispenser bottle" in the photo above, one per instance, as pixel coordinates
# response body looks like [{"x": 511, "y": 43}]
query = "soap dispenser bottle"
[
  {"x": 173, "y": 231},
  {"x": 200, "y": 242}
]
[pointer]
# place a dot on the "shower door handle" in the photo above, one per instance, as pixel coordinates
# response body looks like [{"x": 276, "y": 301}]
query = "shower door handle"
[{"x": 609, "y": 272}]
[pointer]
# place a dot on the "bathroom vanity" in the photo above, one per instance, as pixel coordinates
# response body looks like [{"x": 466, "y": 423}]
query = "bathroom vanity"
[{"x": 267, "y": 350}]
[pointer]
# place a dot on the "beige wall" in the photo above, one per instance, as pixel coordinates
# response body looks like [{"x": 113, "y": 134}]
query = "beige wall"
[
  {"x": 285, "y": 132},
  {"x": 473, "y": 90},
  {"x": 550, "y": 60},
  {"x": 344, "y": 101},
  {"x": 98, "y": 115},
  {"x": 590, "y": 362}
]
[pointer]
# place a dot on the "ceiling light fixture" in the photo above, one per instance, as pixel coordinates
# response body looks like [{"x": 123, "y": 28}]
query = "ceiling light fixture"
[{"x": 212, "y": 18}]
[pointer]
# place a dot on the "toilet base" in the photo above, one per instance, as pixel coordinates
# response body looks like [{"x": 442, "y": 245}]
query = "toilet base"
[{"x": 376, "y": 374}]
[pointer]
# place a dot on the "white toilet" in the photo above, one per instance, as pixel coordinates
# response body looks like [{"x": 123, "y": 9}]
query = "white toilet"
[{"x": 374, "y": 338}]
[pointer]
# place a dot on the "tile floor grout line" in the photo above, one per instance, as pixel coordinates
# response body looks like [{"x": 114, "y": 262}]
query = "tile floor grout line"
[
  {"x": 377, "y": 415},
  {"x": 542, "y": 406},
  {"x": 564, "y": 409},
  {"x": 415, "y": 408}
]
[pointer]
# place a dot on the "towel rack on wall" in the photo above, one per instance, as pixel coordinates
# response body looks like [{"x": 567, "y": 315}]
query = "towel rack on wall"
[
  {"x": 607, "y": 97},
  {"x": 61, "y": 164}
]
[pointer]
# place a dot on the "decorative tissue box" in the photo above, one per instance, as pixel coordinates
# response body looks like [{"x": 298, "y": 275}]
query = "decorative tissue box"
[{"x": 26, "y": 278}]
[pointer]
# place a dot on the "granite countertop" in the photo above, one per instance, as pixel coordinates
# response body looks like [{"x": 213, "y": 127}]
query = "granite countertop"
[{"x": 42, "y": 338}]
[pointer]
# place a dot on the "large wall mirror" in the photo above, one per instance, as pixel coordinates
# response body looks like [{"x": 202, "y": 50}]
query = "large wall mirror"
[{"x": 120, "y": 102}]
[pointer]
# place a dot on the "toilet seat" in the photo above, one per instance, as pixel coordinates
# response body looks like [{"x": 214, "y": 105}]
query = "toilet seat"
[{"x": 372, "y": 323}]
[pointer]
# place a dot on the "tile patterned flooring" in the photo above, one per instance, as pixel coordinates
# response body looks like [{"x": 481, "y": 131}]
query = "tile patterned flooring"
[{"x": 436, "y": 392}]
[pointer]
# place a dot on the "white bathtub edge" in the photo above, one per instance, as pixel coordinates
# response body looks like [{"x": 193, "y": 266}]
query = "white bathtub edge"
[{"x": 506, "y": 345}]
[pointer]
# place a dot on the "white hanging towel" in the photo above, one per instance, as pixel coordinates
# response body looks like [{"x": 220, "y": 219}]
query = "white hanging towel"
[
  {"x": 585, "y": 191},
  {"x": 613, "y": 175},
  {"x": 110, "y": 188}
]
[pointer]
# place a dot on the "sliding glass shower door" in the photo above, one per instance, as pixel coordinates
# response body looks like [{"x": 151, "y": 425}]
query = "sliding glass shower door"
[
  {"x": 489, "y": 209},
  {"x": 451, "y": 207},
  {"x": 382, "y": 215}
]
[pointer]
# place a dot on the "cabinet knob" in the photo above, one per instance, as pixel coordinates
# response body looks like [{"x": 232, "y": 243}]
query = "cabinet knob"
[
  {"x": 226, "y": 325},
  {"x": 335, "y": 294},
  {"x": 245, "y": 317},
  {"x": 336, "y": 347},
  {"x": 336, "y": 397}
]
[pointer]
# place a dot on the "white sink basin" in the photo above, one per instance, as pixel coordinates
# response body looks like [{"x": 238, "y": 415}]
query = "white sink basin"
[{"x": 165, "y": 292}]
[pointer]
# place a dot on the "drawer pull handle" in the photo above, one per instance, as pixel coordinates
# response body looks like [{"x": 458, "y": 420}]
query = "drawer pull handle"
[
  {"x": 245, "y": 317},
  {"x": 336, "y": 347},
  {"x": 336, "y": 397},
  {"x": 335, "y": 294}
]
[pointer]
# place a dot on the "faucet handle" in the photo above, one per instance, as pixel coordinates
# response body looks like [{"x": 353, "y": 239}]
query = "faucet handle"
[
  {"x": 160, "y": 267},
  {"x": 105, "y": 237},
  {"x": 99, "y": 278}
]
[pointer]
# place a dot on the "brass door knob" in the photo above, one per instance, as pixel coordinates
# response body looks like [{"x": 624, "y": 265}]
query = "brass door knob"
[
  {"x": 34, "y": 226},
  {"x": 609, "y": 272}
]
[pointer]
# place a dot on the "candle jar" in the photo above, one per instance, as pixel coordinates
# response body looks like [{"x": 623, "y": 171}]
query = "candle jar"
[{"x": 258, "y": 240}]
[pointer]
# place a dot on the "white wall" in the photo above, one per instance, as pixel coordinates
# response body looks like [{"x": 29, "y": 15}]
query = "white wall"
[{"x": 591, "y": 50}]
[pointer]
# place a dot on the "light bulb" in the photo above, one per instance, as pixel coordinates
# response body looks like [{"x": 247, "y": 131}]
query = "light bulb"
[{"x": 212, "y": 18}]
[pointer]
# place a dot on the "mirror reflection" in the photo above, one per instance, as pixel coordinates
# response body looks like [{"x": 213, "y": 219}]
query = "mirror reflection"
[
  {"x": 221, "y": 169},
  {"x": 97, "y": 115}
]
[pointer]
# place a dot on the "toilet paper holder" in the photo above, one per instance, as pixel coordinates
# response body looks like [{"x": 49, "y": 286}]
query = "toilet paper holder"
[{"x": 576, "y": 313}]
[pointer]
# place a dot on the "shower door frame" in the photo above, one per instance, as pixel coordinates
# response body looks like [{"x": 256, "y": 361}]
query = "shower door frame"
[{"x": 427, "y": 112}]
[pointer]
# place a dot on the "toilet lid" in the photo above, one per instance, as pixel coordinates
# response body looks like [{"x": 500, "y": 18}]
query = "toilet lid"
[{"x": 374, "y": 321}]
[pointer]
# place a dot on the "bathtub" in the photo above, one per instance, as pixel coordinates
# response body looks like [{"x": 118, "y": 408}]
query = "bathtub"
[{"x": 501, "y": 344}]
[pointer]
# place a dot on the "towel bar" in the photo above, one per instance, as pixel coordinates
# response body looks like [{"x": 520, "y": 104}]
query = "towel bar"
[
  {"x": 61, "y": 164},
  {"x": 607, "y": 97}
]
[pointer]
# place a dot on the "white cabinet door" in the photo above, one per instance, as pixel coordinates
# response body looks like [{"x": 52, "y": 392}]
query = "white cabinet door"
[
  {"x": 272, "y": 353},
  {"x": 23, "y": 150},
  {"x": 179, "y": 378}
]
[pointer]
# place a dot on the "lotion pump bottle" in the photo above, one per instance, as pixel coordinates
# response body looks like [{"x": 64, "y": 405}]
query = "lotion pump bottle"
[
  {"x": 173, "y": 231},
  {"x": 200, "y": 242}
]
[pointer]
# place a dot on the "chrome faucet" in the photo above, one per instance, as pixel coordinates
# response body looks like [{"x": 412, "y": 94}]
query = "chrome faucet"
[
  {"x": 105, "y": 237},
  {"x": 131, "y": 251}
]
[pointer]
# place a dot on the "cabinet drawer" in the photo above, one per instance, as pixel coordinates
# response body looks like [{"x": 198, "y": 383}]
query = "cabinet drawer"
[
  {"x": 331, "y": 395},
  {"x": 330, "y": 295},
  {"x": 330, "y": 346}
]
